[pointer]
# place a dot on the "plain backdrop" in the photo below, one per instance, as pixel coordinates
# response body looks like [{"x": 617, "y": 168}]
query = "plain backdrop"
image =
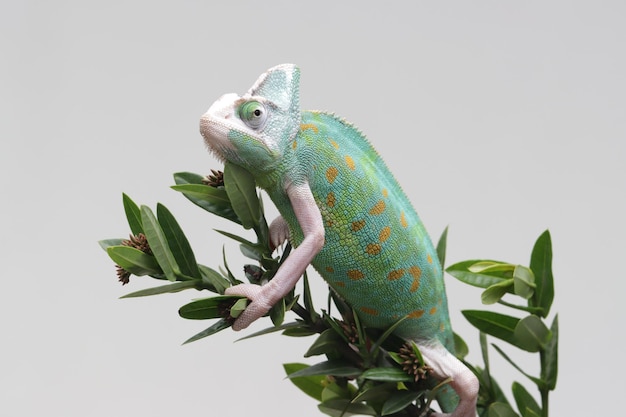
[{"x": 500, "y": 119}]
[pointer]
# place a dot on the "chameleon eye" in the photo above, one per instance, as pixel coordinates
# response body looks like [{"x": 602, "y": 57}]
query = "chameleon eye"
[{"x": 253, "y": 114}]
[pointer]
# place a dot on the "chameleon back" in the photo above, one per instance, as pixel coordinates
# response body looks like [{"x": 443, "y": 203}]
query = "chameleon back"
[{"x": 377, "y": 254}]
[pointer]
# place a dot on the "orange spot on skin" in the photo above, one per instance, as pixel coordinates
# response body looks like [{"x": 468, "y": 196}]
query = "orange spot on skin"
[
  {"x": 294, "y": 144},
  {"x": 378, "y": 208},
  {"x": 335, "y": 144},
  {"x": 373, "y": 249},
  {"x": 340, "y": 284},
  {"x": 416, "y": 314},
  {"x": 395, "y": 274},
  {"x": 370, "y": 311},
  {"x": 416, "y": 273},
  {"x": 442, "y": 327},
  {"x": 403, "y": 221},
  {"x": 355, "y": 274},
  {"x": 330, "y": 200},
  {"x": 357, "y": 225},
  {"x": 384, "y": 234},
  {"x": 350, "y": 162},
  {"x": 330, "y": 269},
  {"x": 331, "y": 174},
  {"x": 433, "y": 311},
  {"x": 305, "y": 126},
  {"x": 429, "y": 258},
  {"x": 385, "y": 193}
]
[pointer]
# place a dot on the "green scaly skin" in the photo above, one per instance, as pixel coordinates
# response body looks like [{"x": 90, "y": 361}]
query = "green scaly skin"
[{"x": 345, "y": 214}]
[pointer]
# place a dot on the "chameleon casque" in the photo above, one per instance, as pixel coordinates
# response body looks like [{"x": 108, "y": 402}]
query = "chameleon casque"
[{"x": 345, "y": 214}]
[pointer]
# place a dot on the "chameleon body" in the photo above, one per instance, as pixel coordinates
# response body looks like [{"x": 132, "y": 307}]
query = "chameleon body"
[{"x": 345, "y": 214}]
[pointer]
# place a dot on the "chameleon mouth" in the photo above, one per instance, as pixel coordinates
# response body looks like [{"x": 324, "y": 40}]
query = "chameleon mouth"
[{"x": 216, "y": 123}]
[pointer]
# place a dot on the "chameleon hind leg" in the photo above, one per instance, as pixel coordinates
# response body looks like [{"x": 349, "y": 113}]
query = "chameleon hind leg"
[{"x": 463, "y": 381}]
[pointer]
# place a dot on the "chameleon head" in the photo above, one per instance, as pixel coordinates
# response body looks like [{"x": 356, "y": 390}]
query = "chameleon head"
[{"x": 253, "y": 129}]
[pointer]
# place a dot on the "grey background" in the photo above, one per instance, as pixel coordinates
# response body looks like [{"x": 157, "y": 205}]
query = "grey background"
[{"x": 501, "y": 119}]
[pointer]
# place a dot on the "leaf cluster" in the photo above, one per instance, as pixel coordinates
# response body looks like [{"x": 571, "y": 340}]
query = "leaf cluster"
[{"x": 363, "y": 371}]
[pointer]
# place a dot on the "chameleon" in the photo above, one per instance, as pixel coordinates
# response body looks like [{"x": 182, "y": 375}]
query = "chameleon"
[{"x": 344, "y": 214}]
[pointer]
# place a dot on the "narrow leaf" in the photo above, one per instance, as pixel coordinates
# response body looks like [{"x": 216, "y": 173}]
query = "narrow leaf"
[
  {"x": 441, "y": 247},
  {"x": 133, "y": 215},
  {"x": 541, "y": 265},
  {"x": 460, "y": 347},
  {"x": 344, "y": 408},
  {"x": 207, "y": 308},
  {"x": 494, "y": 324},
  {"x": 134, "y": 261},
  {"x": 525, "y": 402},
  {"x": 540, "y": 383},
  {"x": 217, "y": 327},
  {"x": 327, "y": 342},
  {"x": 272, "y": 329},
  {"x": 550, "y": 357},
  {"x": 462, "y": 272},
  {"x": 213, "y": 279},
  {"x": 158, "y": 244},
  {"x": 333, "y": 367},
  {"x": 501, "y": 410},
  {"x": 241, "y": 190},
  {"x": 387, "y": 375},
  {"x": 214, "y": 200},
  {"x": 311, "y": 385},
  {"x": 106, "y": 243},
  {"x": 163, "y": 289},
  {"x": 177, "y": 242},
  {"x": 398, "y": 401}
]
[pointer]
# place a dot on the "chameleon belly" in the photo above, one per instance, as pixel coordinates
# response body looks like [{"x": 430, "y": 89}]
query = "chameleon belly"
[{"x": 377, "y": 254}]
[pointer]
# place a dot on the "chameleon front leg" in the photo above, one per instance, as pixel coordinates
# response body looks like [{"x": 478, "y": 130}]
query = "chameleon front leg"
[
  {"x": 264, "y": 297},
  {"x": 463, "y": 381}
]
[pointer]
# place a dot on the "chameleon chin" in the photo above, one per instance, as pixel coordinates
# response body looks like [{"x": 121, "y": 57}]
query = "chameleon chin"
[{"x": 345, "y": 214}]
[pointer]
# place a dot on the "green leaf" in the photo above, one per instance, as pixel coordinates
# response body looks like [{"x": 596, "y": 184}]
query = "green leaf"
[
  {"x": 178, "y": 243},
  {"x": 133, "y": 215},
  {"x": 340, "y": 407},
  {"x": 277, "y": 312},
  {"x": 106, "y": 243},
  {"x": 333, "y": 367},
  {"x": 494, "y": 268},
  {"x": 387, "y": 375},
  {"x": 441, "y": 247},
  {"x": 550, "y": 357},
  {"x": 531, "y": 334},
  {"x": 311, "y": 385},
  {"x": 524, "y": 281},
  {"x": 541, "y": 265},
  {"x": 399, "y": 400},
  {"x": 213, "y": 279},
  {"x": 540, "y": 383},
  {"x": 214, "y": 200},
  {"x": 163, "y": 289},
  {"x": 241, "y": 190},
  {"x": 158, "y": 244},
  {"x": 207, "y": 308},
  {"x": 526, "y": 404},
  {"x": 217, "y": 327},
  {"x": 494, "y": 293},
  {"x": 460, "y": 347},
  {"x": 461, "y": 271},
  {"x": 273, "y": 329},
  {"x": 501, "y": 410},
  {"x": 328, "y": 342},
  {"x": 134, "y": 261},
  {"x": 494, "y": 324}
]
